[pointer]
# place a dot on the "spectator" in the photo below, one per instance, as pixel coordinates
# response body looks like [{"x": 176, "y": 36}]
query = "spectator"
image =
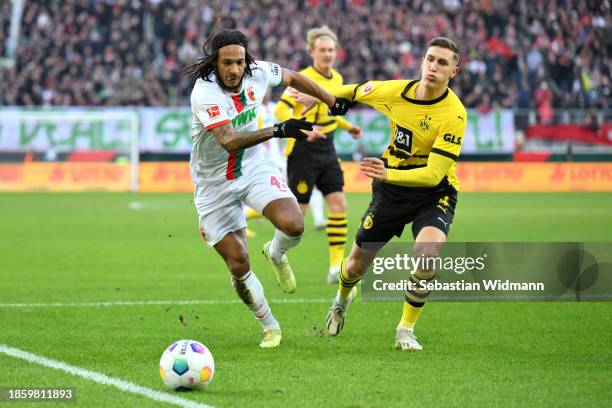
[
  {"x": 543, "y": 101},
  {"x": 131, "y": 52}
]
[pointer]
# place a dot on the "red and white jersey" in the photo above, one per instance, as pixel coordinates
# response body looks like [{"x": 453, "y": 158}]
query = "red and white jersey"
[{"x": 212, "y": 106}]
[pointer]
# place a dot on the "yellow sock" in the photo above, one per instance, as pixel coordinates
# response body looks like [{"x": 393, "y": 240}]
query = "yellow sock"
[
  {"x": 414, "y": 300},
  {"x": 410, "y": 315},
  {"x": 346, "y": 284},
  {"x": 336, "y": 237},
  {"x": 251, "y": 213}
]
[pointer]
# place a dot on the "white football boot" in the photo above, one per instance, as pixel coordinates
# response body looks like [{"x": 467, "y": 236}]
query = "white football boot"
[
  {"x": 283, "y": 271},
  {"x": 405, "y": 340},
  {"x": 337, "y": 314}
]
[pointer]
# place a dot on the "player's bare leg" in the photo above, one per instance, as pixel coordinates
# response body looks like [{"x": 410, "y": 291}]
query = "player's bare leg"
[
  {"x": 337, "y": 229},
  {"x": 233, "y": 250},
  {"x": 428, "y": 243},
  {"x": 351, "y": 272},
  {"x": 286, "y": 216},
  {"x": 304, "y": 208}
]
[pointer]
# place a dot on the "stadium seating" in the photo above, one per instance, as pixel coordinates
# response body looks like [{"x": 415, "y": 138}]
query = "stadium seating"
[{"x": 111, "y": 53}]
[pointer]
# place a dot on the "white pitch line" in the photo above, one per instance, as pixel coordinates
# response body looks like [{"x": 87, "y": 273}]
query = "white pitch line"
[
  {"x": 101, "y": 378},
  {"x": 150, "y": 303}
]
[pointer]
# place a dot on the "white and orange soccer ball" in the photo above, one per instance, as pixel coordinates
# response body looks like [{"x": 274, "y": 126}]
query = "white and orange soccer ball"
[{"x": 186, "y": 365}]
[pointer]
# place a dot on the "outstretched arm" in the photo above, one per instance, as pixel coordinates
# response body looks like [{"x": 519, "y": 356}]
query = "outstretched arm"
[
  {"x": 306, "y": 85},
  {"x": 231, "y": 140}
]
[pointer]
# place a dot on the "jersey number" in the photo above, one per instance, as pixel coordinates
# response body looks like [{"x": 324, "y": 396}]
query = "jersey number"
[
  {"x": 279, "y": 184},
  {"x": 403, "y": 139}
]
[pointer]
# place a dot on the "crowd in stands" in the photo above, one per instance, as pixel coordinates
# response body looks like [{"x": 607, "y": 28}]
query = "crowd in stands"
[{"x": 514, "y": 53}]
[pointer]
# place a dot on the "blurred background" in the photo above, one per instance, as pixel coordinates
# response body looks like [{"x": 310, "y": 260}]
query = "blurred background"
[{"x": 92, "y": 96}]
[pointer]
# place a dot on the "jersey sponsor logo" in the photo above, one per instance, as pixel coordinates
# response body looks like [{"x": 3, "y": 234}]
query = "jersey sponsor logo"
[
  {"x": 275, "y": 69},
  {"x": 403, "y": 139},
  {"x": 244, "y": 117},
  {"x": 452, "y": 139},
  {"x": 213, "y": 112}
]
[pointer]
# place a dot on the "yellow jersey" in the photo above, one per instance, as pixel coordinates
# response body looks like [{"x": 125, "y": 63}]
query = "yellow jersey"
[
  {"x": 423, "y": 133},
  {"x": 287, "y": 107}
]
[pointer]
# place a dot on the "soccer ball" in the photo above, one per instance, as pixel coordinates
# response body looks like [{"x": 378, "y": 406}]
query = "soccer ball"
[{"x": 187, "y": 364}]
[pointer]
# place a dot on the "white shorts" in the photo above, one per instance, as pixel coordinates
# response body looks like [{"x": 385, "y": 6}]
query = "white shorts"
[{"x": 220, "y": 205}]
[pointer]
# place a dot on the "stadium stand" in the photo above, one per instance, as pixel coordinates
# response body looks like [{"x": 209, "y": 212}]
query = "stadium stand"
[{"x": 131, "y": 52}]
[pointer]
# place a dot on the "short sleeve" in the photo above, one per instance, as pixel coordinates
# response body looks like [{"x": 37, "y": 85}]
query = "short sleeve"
[
  {"x": 272, "y": 71},
  {"x": 211, "y": 111}
]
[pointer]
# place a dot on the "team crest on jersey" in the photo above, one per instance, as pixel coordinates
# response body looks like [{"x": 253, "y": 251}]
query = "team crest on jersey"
[
  {"x": 424, "y": 123},
  {"x": 213, "y": 112},
  {"x": 251, "y": 94},
  {"x": 302, "y": 187},
  {"x": 368, "y": 222}
]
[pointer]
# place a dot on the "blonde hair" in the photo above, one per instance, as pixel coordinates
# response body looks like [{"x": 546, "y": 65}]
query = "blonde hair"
[{"x": 314, "y": 33}]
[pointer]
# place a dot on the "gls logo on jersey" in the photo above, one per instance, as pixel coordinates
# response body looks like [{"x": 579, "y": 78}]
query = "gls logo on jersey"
[
  {"x": 452, "y": 139},
  {"x": 403, "y": 139}
]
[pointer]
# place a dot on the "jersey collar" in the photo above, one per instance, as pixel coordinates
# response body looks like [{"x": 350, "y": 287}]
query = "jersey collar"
[
  {"x": 419, "y": 102},
  {"x": 322, "y": 74}
]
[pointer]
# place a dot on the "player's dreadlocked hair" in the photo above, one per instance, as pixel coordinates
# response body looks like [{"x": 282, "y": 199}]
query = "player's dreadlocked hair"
[{"x": 207, "y": 65}]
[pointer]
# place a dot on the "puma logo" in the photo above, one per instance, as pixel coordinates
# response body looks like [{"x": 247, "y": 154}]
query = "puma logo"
[{"x": 443, "y": 222}]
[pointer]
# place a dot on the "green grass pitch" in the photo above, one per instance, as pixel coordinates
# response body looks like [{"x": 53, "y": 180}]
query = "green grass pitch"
[{"x": 145, "y": 247}]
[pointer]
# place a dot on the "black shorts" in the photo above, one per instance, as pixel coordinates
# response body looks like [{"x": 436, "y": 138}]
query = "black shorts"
[
  {"x": 392, "y": 207},
  {"x": 303, "y": 173}
]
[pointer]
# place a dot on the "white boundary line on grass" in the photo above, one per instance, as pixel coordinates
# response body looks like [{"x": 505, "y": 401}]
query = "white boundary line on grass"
[
  {"x": 101, "y": 378},
  {"x": 151, "y": 303}
]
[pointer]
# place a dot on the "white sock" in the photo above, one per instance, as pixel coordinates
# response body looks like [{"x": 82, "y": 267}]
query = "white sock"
[
  {"x": 251, "y": 292},
  {"x": 281, "y": 244},
  {"x": 316, "y": 206},
  {"x": 410, "y": 329},
  {"x": 340, "y": 301}
]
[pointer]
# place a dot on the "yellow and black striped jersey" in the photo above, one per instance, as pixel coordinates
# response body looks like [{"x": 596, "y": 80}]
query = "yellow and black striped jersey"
[
  {"x": 422, "y": 132},
  {"x": 287, "y": 107}
]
